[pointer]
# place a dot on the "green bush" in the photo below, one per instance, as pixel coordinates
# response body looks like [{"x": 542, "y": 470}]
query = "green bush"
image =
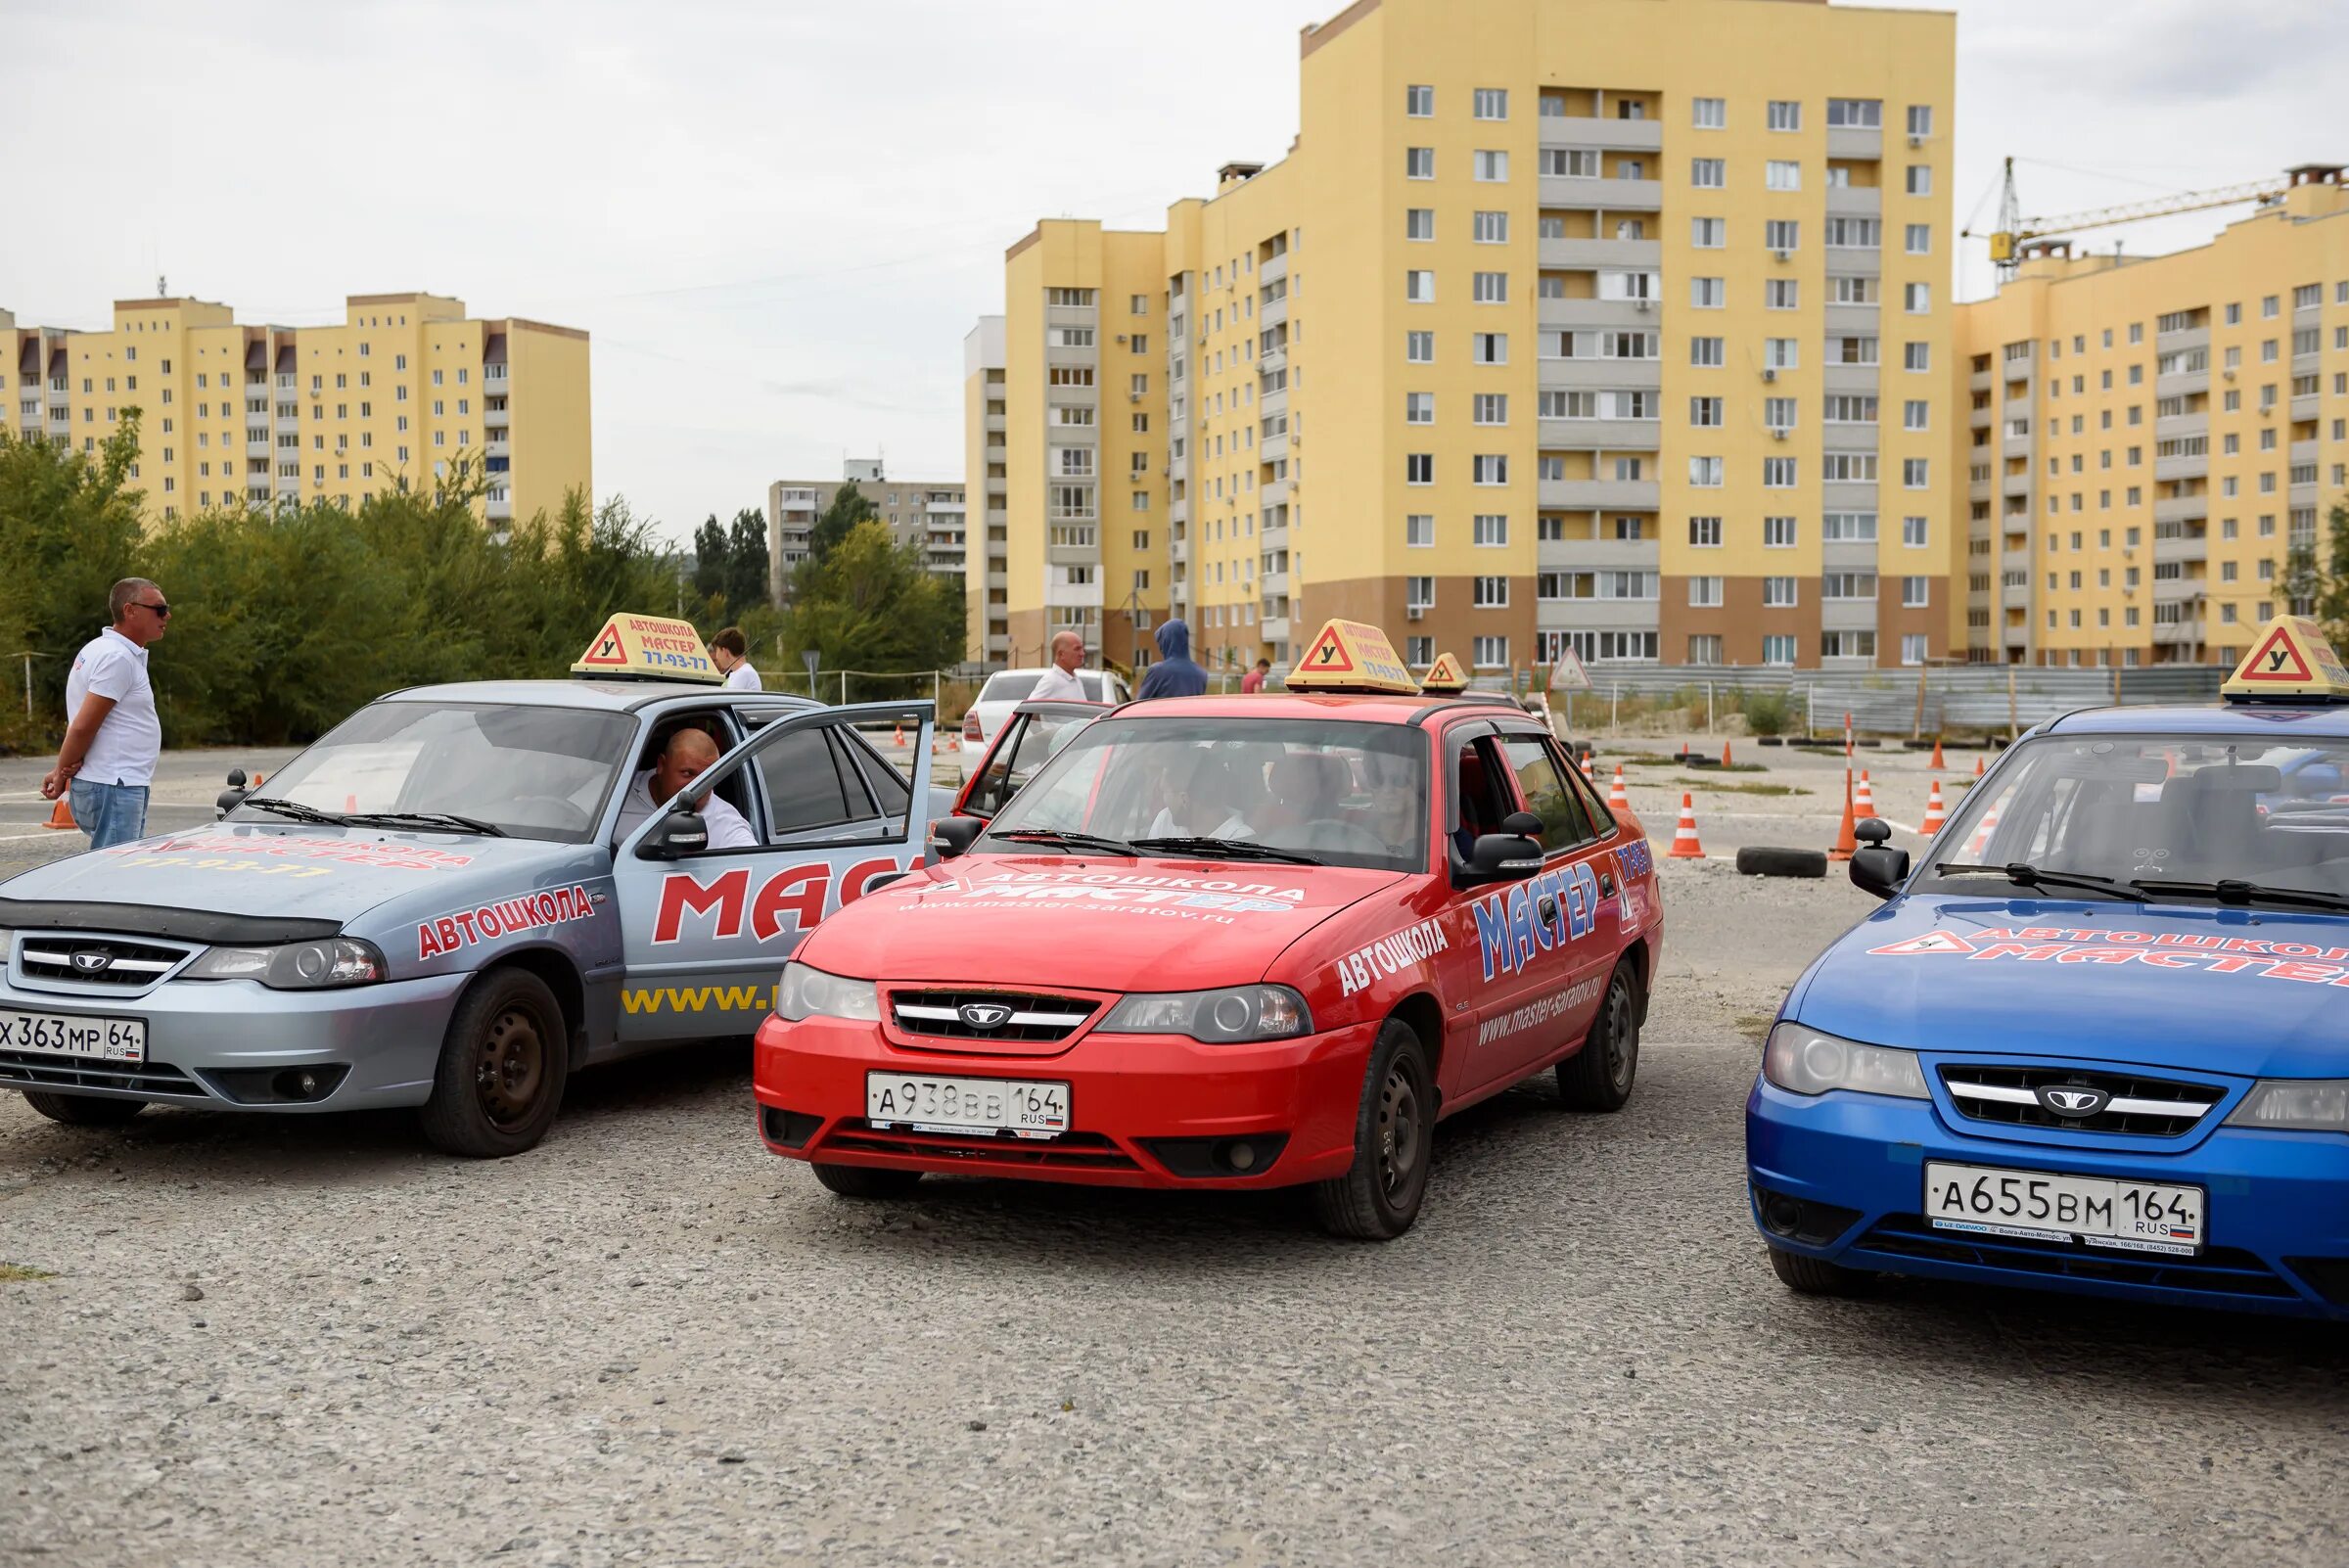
[{"x": 1764, "y": 712}]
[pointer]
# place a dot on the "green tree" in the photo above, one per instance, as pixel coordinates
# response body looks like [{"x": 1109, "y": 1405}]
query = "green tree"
[
  {"x": 711, "y": 559},
  {"x": 746, "y": 563},
  {"x": 869, "y": 604},
  {"x": 69, "y": 530},
  {"x": 849, "y": 507},
  {"x": 2332, "y": 597}
]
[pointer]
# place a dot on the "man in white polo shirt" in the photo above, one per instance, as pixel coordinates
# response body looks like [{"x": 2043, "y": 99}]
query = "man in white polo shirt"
[
  {"x": 112, "y": 736},
  {"x": 687, "y": 756}
]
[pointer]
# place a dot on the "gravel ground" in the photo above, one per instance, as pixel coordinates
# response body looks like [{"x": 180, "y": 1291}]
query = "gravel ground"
[{"x": 306, "y": 1341}]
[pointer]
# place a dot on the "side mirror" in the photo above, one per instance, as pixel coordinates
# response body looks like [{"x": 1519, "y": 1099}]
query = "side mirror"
[
  {"x": 236, "y": 778},
  {"x": 1524, "y": 824},
  {"x": 1504, "y": 857},
  {"x": 229, "y": 799},
  {"x": 951, "y": 836},
  {"x": 677, "y": 834},
  {"x": 1872, "y": 830},
  {"x": 1878, "y": 870}
]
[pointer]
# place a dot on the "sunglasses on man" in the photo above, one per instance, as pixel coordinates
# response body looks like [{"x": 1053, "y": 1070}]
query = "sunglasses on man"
[{"x": 162, "y": 612}]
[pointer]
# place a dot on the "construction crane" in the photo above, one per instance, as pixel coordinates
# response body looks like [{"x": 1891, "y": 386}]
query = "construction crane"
[{"x": 2015, "y": 231}]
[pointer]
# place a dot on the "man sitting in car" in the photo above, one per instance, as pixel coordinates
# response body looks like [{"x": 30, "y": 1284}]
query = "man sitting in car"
[{"x": 687, "y": 756}]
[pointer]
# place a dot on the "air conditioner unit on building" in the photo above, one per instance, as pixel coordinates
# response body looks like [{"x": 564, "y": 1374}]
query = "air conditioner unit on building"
[
  {"x": 1644, "y": 305},
  {"x": 1777, "y": 435},
  {"x": 1917, "y": 141},
  {"x": 1782, "y": 256},
  {"x": 1413, "y": 611},
  {"x": 1120, "y": 337},
  {"x": 1769, "y": 373}
]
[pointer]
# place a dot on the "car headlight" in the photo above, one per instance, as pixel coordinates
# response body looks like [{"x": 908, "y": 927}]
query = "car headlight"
[
  {"x": 804, "y": 993},
  {"x": 2295, "y": 1105},
  {"x": 1225, "y": 1017},
  {"x": 320, "y": 965},
  {"x": 1804, "y": 1061}
]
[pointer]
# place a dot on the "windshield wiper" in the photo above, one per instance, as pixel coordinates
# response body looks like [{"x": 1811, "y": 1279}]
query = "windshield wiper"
[
  {"x": 2227, "y": 890},
  {"x": 1231, "y": 850},
  {"x": 1067, "y": 841},
  {"x": 294, "y": 808},
  {"x": 2025, "y": 874},
  {"x": 445, "y": 819}
]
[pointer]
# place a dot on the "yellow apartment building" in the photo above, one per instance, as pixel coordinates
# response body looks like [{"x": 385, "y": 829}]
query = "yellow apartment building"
[
  {"x": 2145, "y": 438},
  {"x": 1617, "y": 325},
  {"x": 406, "y": 391}
]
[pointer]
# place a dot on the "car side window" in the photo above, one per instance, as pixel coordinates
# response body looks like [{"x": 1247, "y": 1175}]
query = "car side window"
[
  {"x": 1484, "y": 798},
  {"x": 888, "y": 786},
  {"x": 808, "y": 784},
  {"x": 1594, "y": 806},
  {"x": 1030, "y": 745},
  {"x": 1546, "y": 793}
]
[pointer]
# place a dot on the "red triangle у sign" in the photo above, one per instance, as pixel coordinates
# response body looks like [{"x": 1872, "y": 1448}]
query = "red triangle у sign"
[
  {"x": 2278, "y": 659},
  {"x": 1329, "y": 655},
  {"x": 605, "y": 649}
]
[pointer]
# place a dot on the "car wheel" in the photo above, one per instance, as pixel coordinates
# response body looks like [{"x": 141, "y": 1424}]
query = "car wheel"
[
  {"x": 866, "y": 1180},
  {"x": 1394, "y": 1141},
  {"x": 502, "y": 1069},
  {"x": 83, "y": 1110},
  {"x": 1813, "y": 1276},
  {"x": 1599, "y": 1076}
]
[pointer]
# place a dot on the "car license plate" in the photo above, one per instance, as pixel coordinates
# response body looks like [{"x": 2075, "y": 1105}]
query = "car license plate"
[
  {"x": 2131, "y": 1216},
  {"x": 109, "y": 1040},
  {"x": 1021, "y": 1107}
]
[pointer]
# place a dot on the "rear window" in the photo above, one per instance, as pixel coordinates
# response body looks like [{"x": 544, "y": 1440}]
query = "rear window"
[
  {"x": 1091, "y": 681},
  {"x": 1005, "y": 686}
]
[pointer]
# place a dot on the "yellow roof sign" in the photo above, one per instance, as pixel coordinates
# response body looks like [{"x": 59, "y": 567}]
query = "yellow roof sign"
[
  {"x": 2289, "y": 658},
  {"x": 1349, "y": 656},
  {"x": 1445, "y": 675},
  {"x": 647, "y": 648}
]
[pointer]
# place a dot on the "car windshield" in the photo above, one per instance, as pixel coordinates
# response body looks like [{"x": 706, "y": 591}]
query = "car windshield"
[
  {"x": 2196, "y": 808},
  {"x": 532, "y": 772},
  {"x": 1345, "y": 793},
  {"x": 1005, "y": 687}
]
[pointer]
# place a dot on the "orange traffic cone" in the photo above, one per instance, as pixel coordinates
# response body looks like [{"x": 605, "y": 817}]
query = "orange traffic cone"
[
  {"x": 259, "y": 779},
  {"x": 1724, "y": 754},
  {"x": 1938, "y": 764},
  {"x": 350, "y": 804},
  {"x": 1685, "y": 845},
  {"x": 1865, "y": 802},
  {"x": 1845, "y": 841},
  {"x": 1935, "y": 817},
  {"x": 61, "y": 815},
  {"x": 1617, "y": 800},
  {"x": 898, "y": 737},
  {"x": 1981, "y": 839},
  {"x": 1977, "y": 768}
]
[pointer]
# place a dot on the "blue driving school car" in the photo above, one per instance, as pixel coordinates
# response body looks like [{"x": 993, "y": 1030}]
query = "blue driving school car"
[{"x": 2097, "y": 1040}]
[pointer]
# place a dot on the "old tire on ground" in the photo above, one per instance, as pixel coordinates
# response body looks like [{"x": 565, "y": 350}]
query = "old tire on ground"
[
  {"x": 866, "y": 1180},
  {"x": 1393, "y": 1138},
  {"x": 502, "y": 1069},
  {"x": 1761, "y": 861},
  {"x": 1770, "y": 740},
  {"x": 83, "y": 1110},
  {"x": 1697, "y": 759},
  {"x": 1599, "y": 1076},
  {"x": 1811, "y": 1277}
]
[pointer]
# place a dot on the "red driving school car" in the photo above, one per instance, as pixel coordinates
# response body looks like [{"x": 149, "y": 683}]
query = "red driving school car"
[{"x": 1229, "y": 942}]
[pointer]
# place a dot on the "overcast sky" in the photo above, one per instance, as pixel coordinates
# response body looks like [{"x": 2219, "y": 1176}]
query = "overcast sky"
[{"x": 778, "y": 220}]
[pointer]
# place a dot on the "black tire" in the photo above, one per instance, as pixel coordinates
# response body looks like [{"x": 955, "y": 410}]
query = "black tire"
[
  {"x": 1811, "y": 1277},
  {"x": 83, "y": 1110},
  {"x": 1761, "y": 861},
  {"x": 1599, "y": 1076},
  {"x": 866, "y": 1180},
  {"x": 1393, "y": 1139},
  {"x": 502, "y": 1069},
  {"x": 1697, "y": 759},
  {"x": 1770, "y": 740}
]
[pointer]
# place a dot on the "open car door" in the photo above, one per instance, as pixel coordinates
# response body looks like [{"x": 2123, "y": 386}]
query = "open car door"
[
  {"x": 705, "y": 933},
  {"x": 1025, "y": 742}
]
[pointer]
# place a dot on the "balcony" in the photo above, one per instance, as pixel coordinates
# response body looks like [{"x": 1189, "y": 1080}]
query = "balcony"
[
  {"x": 1273, "y": 629},
  {"x": 1855, "y": 201},
  {"x": 262, "y": 447},
  {"x": 1622, "y": 375},
  {"x": 1273, "y": 449},
  {"x": 1597, "y": 314},
  {"x": 2182, "y": 509},
  {"x": 496, "y": 418},
  {"x": 1614, "y": 253},
  {"x": 1275, "y": 268},
  {"x": 1609, "y": 196},
  {"x": 1587, "y": 495},
  {"x": 1275, "y": 583},
  {"x": 499, "y": 510},
  {"x": 1598, "y": 555},
  {"x": 1614, "y": 135},
  {"x": 497, "y": 448},
  {"x": 2183, "y": 547},
  {"x": 1840, "y": 438},
  {"x": 2015, "y": 485},
  {"x": 2182, "y": 468},
  {"x": 1855, "y": 141},
  {"x": 2177, "y": 591},
  {"x": 993, "y": 424},
  {"x": 1854, "y": 321},
  {"x": 2179, "y": 383},
  {"x": 1272, "y": 359},
  {"x": 288, "y": 425},
  {"x": 1842, "y": 378},
  {"x": 2016, "y": 446},
  {"x": 1601, "y": 435},
  {"x": 2302, "y": 452},
  {"x": 2178, "y": 634},
  {"x": 1979, "y": 418},
  {"x": 1979, "y": 381},
  {"x": 2172, "y": 427},
  {"x": 1276, "y": 494},
  {"x": 2304, "y": 407},
  {"x": 2190, "y": 338},
  {"x": 2017, "y": 374}
]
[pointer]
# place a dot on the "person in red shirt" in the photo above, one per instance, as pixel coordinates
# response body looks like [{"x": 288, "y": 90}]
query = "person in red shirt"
[{"x": 1253, "y": 681}]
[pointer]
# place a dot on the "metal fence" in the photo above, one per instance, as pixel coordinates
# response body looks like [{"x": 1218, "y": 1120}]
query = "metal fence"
[{"x": 1927, "y": 702}]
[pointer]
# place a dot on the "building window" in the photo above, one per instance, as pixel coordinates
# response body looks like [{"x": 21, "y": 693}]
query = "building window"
[
  {"x": 1419, "y": 347},
  {"x": 1781, "y": 293},
  {"x": 1490, "y": 408},
  {"x": 1491, "y": 166},
  {"x": 1704, "y": 532},
  {"x": 1489, "y": 288},
  {"x": 1708, "y": 294},
  {"x": 1490, "y": 529},
  {"x": 1778, "y": 532},
  {"x": 1786, "y": 114},
  {"x": 1777, "y": 472},
  {"x": 1920, "y": 179},
  {"x": 1855, "y": 114},
  {"x": 1419, "y": 286},
  {"x": 1490, "y": 468},
  {"x": 1492, "y": 228},
  {"x": 1783, "y": 235},
  {"x": 1491, "y": 594},
  {"x": 1709, "y": 113},
  {"x": 1704, "y": 473},
  {"x": 1917, "y": 357},
  {"x": 1782, "y": 174},
  {"x": 1419, "y": 223},
  {"x": 1491, "y": 653},
  {"x": 1419, "y": 593},
  {"x": 1707, "y": 352},
  {"x": 1492, "y": 103},
  {"x": 1916, "y": 473},
  {"x": 1419, "y": 408},
  {"x": 1704, "y": 412},
  {"x": 1707, "y": 233},
  {"x": 1491, "y": 347},
  {"x": 1704, "y": 593},
  {"x": 1708, "y": 173},
  {"x": 1915, "y": 414},
  {"x": 1917, "y": 297},
  {"x": 1419, "y": 163},
  {"x": 1419, "y": 531},
  {"x": 1916, "y": 592},
  {"x": 1419, "y": 468},
  {"x": 1419, "y": 103},
  {"x": 1912, "y": 533},
  {"x": 1777, "y": 650}
]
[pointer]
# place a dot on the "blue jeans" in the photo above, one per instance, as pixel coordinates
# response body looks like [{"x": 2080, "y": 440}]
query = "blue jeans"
[{"x": 109, "y": 814}]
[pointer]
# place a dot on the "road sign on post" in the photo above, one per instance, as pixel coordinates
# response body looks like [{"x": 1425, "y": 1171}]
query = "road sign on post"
[{"x": 1566, "y": 673}]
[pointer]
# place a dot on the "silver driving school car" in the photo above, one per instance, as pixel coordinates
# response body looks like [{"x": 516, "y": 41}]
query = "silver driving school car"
[{"x": 459, "y": 896}]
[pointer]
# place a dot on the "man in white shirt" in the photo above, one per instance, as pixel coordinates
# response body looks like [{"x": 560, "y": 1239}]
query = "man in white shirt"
[
  {"x": 113, "y": 738},
  {"x": 688, "y": 756},
  {"x": 1068, "y": 654},
  {"x": 731, "y": 654}
]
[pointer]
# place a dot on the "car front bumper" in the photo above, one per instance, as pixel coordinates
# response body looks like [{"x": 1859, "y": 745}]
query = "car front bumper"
[
  {"x": 2277, "y": 1212},
  {"x": 1144, "y": 1110},
  {"x": 219, "y": 1044}
]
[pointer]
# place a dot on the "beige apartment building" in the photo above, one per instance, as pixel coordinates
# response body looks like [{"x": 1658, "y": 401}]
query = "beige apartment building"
[
  {"x": 1613, "y": 325},
  {"x": 986, "y": 580},
  {"x": 408, "y": 389},
  {"x": 926, "y": 513},
  {"x": 2146, "y": 439}
]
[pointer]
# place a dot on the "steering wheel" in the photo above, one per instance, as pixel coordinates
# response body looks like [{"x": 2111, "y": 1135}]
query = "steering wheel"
[
  {"x": 1337, "y": 834},
  {"x": 555, "y": 812}
]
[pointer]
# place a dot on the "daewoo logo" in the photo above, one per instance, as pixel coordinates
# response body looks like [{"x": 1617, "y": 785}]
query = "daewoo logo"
[
  {"x": 984, "y": 1015},
  {"x": 2072, "y": 1100},
  {"x": 92, "y": 961}
]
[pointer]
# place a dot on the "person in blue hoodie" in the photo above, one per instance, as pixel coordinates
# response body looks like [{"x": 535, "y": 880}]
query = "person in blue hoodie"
[{"x": 1175, "y": 674}]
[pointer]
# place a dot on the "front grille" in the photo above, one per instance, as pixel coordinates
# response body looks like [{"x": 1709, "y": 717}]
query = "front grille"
[
  {"x": 2218, "y": 1270},
  {"x": 33, "y": 1070},
  {"x": 1070, "y": 1151},
  {"x": 44, "y": 958},
  {"x": 2140, "y": 1107},
  {"x": 1033, "y": 1018}
]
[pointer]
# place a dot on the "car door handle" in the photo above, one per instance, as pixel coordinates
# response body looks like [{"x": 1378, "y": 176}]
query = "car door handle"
[
  {"x": 1606, "y": 885},
  {"x": 1550, "y": 908}
]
